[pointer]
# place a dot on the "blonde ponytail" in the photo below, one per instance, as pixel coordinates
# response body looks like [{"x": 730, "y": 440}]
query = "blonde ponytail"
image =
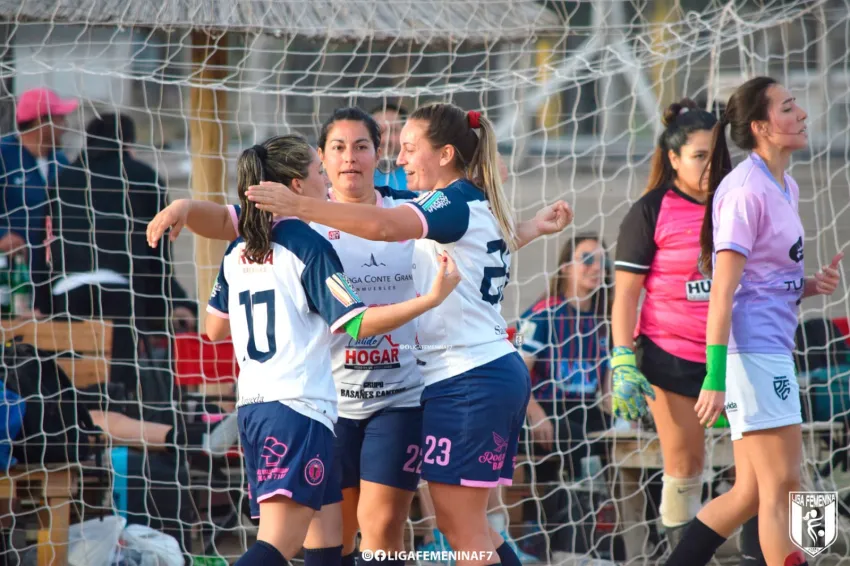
[{"x": 484, "y": 169}]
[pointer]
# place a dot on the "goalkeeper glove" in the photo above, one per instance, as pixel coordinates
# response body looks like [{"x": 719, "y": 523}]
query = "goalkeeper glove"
[{"x": 629, "y": 386}]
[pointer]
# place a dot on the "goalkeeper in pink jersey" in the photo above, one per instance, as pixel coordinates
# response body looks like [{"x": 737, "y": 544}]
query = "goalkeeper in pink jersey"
[
  {"x": 753, "y": 237},
  {"x": 658, "y": 250}
]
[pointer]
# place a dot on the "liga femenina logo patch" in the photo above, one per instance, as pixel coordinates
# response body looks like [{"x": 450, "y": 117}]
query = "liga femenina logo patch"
[{"x": 813, "y": 518}]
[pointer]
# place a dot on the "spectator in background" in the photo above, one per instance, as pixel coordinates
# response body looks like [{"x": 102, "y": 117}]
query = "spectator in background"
[
  {"x": 564, "y": 342},
  {"x": 106, "y": 198},
  {"x": 390, "y": 118},
  {"x": 29, "y": 162}
]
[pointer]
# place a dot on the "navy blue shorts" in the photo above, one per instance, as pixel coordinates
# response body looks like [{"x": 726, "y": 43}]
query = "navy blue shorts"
[
  {"x": 382, "y": 449},
  {"x": 287, "y": 454},
  {"x": 472, "y": 422}
]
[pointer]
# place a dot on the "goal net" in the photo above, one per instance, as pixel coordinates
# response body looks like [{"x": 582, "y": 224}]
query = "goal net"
[{"x": 576, "y": 90}]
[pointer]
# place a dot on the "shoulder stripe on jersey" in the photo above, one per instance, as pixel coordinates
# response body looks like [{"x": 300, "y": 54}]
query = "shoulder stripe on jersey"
[
  {"x": 632, "y": 265},
  {"x": 342, "y": 290},
  {"x": 434, "y": 200}
]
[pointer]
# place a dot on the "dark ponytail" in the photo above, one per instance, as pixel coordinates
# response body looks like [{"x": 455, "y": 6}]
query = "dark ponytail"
[
  {"x": 749, "y": 103},
  {"x": 280, "y": 159},
  {"x": 680, "y": 120},
  {"x": 719, "y": 165}
]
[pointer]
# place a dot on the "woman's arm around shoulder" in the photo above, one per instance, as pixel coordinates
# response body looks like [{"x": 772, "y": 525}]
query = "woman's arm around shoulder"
[
  {"x": 363, "y": 220},
  {"x": 207, "y": 219}
]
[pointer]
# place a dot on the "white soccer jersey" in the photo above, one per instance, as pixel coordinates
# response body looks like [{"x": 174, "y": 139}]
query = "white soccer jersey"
[
  {"x": 379, "y": 371},
  {"x": 280, "y": 313},
  {"x": 468, "y": 329}
]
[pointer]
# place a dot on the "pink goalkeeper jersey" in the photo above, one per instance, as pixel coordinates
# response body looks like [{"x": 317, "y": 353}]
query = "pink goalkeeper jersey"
[
  {"x": 659, "y": 238},
  {"x": 756, "y": 217}
]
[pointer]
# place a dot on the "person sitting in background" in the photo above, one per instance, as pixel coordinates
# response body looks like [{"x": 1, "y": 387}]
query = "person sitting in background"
[
  {"x": 564, "y": 342},
  {"x": 105, "y": 200},
  {"x": 29, "y": 161}
]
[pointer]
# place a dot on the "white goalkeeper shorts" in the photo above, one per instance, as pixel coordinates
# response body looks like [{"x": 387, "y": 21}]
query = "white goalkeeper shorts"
[{"x": 761, "y": 392}]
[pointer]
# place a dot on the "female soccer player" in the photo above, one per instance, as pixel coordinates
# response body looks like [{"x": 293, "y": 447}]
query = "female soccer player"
[
  {"x": 659, "y": 251},
  {"x": 286, "y": 286},
  {"x": 476, "y": 385},
  {"x": 753, "y": 236},
  {"x": 378, "y": 381}
]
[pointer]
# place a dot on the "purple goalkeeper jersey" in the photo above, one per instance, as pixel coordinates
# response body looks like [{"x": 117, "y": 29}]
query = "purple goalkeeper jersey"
[{"x": 755, "y": 216}]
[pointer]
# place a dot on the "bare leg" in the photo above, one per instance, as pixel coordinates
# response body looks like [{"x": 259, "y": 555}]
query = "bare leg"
[
  {"x": 382, "y": 514},
  {"x": 462, "y": 517}
]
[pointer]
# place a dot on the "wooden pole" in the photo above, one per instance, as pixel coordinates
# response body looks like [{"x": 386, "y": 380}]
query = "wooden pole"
[{"x": 208, "y": 136}]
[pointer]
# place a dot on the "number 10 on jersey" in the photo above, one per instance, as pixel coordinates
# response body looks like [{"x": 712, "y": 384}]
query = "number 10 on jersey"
[{"x": 249, "y": 301}]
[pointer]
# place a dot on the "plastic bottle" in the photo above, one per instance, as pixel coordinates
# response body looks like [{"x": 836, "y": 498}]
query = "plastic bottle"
[{"x": 21, "y": 286}]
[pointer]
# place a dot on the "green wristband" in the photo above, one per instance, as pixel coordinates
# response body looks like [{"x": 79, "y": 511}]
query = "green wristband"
[{"x": 715, "y": 362}]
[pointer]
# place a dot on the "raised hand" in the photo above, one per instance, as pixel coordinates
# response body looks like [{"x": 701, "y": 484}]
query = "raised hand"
[
  {"x": 173, "y": 216},
  {"x": 553, "y": 218},
  {"x": 828, "y": 278},
  {"x": 446, "y": 280},
  {"x": 273, "y": 197}
]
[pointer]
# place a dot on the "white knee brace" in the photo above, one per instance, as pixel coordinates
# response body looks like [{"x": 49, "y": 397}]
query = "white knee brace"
[{"x": 681, "y": 500}]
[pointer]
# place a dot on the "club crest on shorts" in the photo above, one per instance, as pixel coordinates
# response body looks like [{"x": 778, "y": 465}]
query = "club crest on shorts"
[
  {"x": 781, "y": 387},
  {"x": 314, "y": 471},
  {"x": 812, "y": 517}
]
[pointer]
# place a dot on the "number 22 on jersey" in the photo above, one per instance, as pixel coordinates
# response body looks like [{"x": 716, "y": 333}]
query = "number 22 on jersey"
[
  {"x": 249, "y": 301},
  {"x": 495, "y": 276}
]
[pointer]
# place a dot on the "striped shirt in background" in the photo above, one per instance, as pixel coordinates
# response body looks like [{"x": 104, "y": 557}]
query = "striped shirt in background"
[{"x": 571, "y": 349}]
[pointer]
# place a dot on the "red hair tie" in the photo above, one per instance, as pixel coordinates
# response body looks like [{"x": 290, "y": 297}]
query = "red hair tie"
[{"x": 474, "y": 119}]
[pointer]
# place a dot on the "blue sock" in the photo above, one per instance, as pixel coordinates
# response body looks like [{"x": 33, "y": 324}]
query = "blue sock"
[
  {"x": 262, "y": 554},
  {"x": 507, "y": 556},
  {"x": 350, "y": 559},
  {"x": 331, "y": 556}
]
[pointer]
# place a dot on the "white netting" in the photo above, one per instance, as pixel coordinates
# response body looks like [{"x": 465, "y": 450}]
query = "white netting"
[{"x": 576, "y": 89}]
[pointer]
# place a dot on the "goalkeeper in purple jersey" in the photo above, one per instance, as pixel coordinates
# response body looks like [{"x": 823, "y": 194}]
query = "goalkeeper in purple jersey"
[
  {"x": 658, "y": 251},
  {"x": 752, "y": 236}
]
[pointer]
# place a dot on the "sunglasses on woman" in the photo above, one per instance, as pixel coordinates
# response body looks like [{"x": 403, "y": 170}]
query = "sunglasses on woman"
[{"x": 589, "y": 258}]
